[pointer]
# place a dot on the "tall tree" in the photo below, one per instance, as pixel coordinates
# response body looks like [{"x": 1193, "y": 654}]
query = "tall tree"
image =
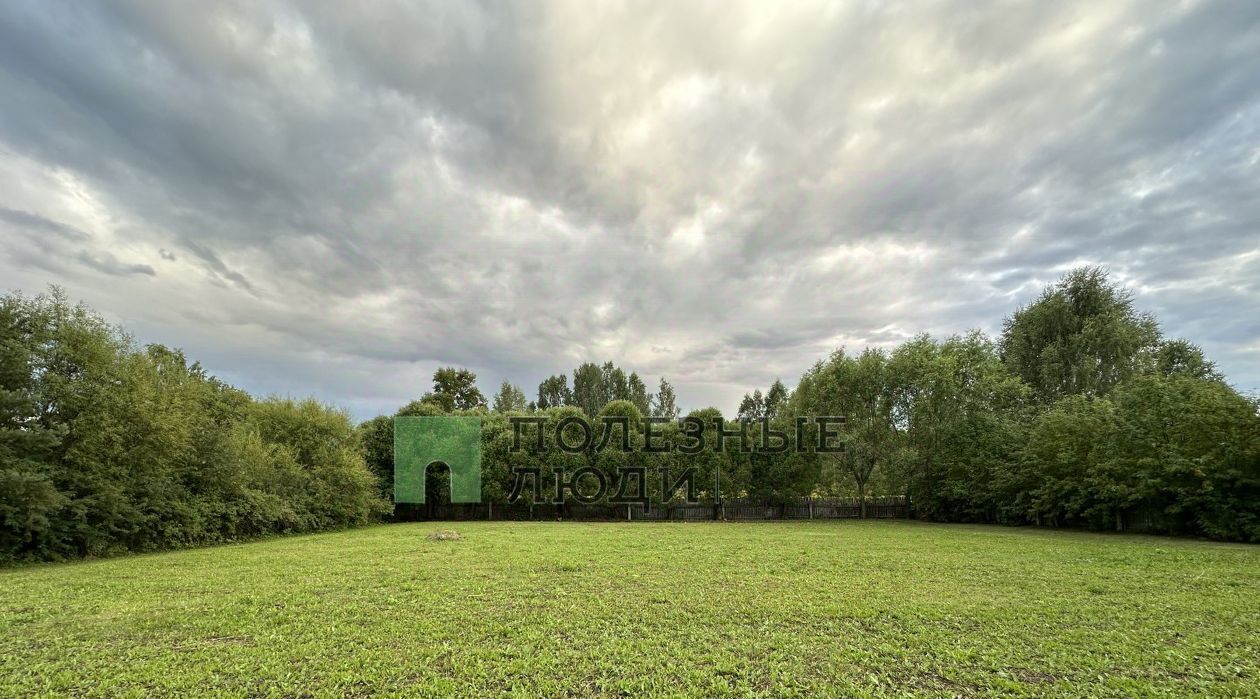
[
  {"x": 509, "y": 398},
  {"x": 942, "y": 391},
  {"x": 639, "y": 394},
  {"x": 554, "y": 392},
  {"x": 666, "y": 404},
  {"x": 455, "y": 389},
  {"x": 776, "y": 399},
  {"x": 590, "y": 393},
  {"x": 753, "y": 406},
  {"x": 858, "y": 388},
  {"x": 615, "y": 382},
  {"x": 28, "y": 495},
  {"x": 757, "y": 405},
  {"x": 863, "y": 385},
  {"x": 1081, "y": 337},
  {"x": 376, "y": 437}
]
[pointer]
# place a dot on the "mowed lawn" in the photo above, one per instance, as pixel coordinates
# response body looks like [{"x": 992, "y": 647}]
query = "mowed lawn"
[{"x": 875, "y": 608}]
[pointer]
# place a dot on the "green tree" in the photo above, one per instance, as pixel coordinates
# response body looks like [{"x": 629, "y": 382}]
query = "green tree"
[
  {"x": 716, "y": 472},
  {"x": 1081, "y": 337},
  {"x": 776, "y": 398},
  {"x": 616, "y": 386},
  {"x": 752, "y": 406},
  {"x": 29, "y": 499},
  {"x": 948, "y": 398},
  {"x": 1068, "y": 443},
  {"x": 639, "y": 394},
  {"x": 377, "y": 437},
  {"x": 1183, "y": 358},
  {"x": 665, "y": 404},
  {"x": 590, "y": 392},
  {"x": 455, "y": 389},
  {"x": 1185, "y": 450},
  {"x": 554, "y": 392},
  {"x": 860, "y": 389},
  {"x": 509, "y": 399},
  {"x": 106, "y": 446}
]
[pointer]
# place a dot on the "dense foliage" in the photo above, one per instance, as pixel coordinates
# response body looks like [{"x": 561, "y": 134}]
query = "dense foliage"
[
  {"x": 1080, "y": 414},
  {"x": 106, "y": 447}
]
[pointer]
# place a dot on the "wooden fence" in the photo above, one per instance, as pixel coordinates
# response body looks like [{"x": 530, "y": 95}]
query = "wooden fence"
[{"x": 735, "y": 509}]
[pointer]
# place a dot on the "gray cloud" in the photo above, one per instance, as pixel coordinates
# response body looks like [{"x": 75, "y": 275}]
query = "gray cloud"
[
  {"x": 319, "y": 198},
  {"x": 50, "y": 245},
  {"x": 36, "y": 224}
]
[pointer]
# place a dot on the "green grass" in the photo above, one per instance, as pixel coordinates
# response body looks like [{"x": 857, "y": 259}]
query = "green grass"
[{"x": 621, "y": 609}]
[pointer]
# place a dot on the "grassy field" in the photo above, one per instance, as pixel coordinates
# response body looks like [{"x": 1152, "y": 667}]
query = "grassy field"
[{"x": 709, "y": 609}]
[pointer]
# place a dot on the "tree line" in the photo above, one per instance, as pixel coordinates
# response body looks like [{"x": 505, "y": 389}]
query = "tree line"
[
  {"x": 106, "y": 446},
  {"x": 1079, "y": 414},
  {"x": 594, "y": 386}
]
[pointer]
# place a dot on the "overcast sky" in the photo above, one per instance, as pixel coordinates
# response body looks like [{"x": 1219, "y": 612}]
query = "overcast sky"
[{"x": 318, "y": 199}]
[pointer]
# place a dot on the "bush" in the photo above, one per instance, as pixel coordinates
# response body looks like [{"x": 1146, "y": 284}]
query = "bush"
[{"x": 107, "y": 447}]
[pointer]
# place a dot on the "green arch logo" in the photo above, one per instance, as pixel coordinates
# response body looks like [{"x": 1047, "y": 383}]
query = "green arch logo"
[{"x": 419, "y": 442}]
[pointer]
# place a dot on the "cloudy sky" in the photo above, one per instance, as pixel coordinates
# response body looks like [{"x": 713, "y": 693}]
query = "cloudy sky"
[{"x": 315, "y": 199}]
